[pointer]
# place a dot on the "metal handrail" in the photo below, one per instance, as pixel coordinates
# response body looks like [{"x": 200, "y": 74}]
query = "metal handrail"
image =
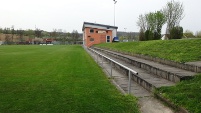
[
  {"x": 116, "y": 62},
  {"x": 129, "y": 70}
]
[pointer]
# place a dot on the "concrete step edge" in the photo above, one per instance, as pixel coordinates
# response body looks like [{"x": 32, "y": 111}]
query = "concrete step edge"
[{"x": 174, "y": 77}]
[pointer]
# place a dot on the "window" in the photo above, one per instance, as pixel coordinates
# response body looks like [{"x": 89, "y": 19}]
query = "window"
[
  {"x": 108, "y": 39},
  {"x": 91, "y": 30},
  {"x": 96, "y": 31},
  {"x": 91, "y": 39}
]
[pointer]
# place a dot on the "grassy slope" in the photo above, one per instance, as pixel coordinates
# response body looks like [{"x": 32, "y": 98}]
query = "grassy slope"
[
  {"x": 186, "y": 93},
  {"x": 176, "y": 50},
  {"x": 56, "y": 79}
]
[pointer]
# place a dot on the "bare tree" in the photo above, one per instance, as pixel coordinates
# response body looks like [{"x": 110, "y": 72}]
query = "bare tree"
[
  {"x": 142, "y": 22},
  {"x": 174, "y": 13}
]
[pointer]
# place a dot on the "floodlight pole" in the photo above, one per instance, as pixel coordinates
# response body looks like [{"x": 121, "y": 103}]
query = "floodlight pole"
[
  {"x": 114, "y": 10},
  {"x": 125, "y": 29},
  {"x": 125, "y": 32}
]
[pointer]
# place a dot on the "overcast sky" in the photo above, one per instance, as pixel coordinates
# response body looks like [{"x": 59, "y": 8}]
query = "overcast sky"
[{"x": 69, "y": 15}]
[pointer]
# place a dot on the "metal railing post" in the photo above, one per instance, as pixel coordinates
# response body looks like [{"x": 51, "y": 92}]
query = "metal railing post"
[
  {"x": 94, "y": 54},
  {"x": 102, "y": 60},
  {"x": 129, "y": 82},
  {"x": 111, "y": 69},
  {"x": 97, "y": 58},
  {"x": 116, "y": 63}
]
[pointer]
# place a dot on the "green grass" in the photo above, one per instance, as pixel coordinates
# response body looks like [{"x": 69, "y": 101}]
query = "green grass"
[
  {"x": 56, "y": 79},
  {"x": 176, "y": 50},
  {"x": 186, "y": 94}
]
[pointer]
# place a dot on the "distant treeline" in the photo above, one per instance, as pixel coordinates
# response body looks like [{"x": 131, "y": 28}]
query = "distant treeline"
[{"x": 13, "y": 36}]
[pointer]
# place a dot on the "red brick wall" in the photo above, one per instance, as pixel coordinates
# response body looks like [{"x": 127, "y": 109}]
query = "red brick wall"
[{"x": 98, "y": 37}]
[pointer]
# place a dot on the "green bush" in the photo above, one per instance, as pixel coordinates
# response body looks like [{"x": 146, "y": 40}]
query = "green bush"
[{"x": 176, "y": 33}]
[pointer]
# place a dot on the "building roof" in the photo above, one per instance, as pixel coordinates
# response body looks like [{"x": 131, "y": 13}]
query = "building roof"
[{"x": 86, "y": 24}]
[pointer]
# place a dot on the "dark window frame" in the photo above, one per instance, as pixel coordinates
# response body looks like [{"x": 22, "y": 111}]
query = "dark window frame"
[{"x": 91, "y": 31}]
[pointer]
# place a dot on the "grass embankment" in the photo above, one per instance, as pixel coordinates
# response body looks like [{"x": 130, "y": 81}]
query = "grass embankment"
[
  {"x": 56, "y": 79},
  {"x": 176, "y": 50},
  {"x": 186, "y": 93}
]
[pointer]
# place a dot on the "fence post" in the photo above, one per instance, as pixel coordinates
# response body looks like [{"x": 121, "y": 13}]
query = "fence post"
[
  {"x": 129, "y": 82},
  {"x": 111, "y": 69}
]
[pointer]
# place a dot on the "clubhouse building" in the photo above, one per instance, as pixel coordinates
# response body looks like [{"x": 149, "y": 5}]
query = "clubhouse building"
[{"x": 94, "y": 33}]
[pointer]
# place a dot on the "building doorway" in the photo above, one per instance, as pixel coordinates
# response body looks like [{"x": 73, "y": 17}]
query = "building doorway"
[{"x": 108, "y": 39}]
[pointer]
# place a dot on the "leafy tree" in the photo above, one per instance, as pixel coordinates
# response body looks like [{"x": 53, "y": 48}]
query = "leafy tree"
[
  {"x": 160, "y": 21},
  {"x": 151, "y": 21},
  {"x": 149, "y": 35},
  {"x": 154, "y": 22},
  {"x": 141, "y": 35},
  {"x": 174, "y": 13},
  {"x": 176, "y": 32}
]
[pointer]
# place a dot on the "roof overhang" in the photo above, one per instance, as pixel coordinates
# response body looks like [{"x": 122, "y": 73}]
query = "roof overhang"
[{"x": 99, "y": 26}]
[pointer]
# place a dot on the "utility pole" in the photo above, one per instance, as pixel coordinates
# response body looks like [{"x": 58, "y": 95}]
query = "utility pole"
[{"x": 114, "y": 10}]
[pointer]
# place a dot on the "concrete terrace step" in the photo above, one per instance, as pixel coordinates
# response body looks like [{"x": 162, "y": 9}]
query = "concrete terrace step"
[
  {"x": 144, "y": 79},
  {"x": 122, "y": 80},
  {"x": 168, "y": 72},
  {"x": 146, "y": 100}
]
